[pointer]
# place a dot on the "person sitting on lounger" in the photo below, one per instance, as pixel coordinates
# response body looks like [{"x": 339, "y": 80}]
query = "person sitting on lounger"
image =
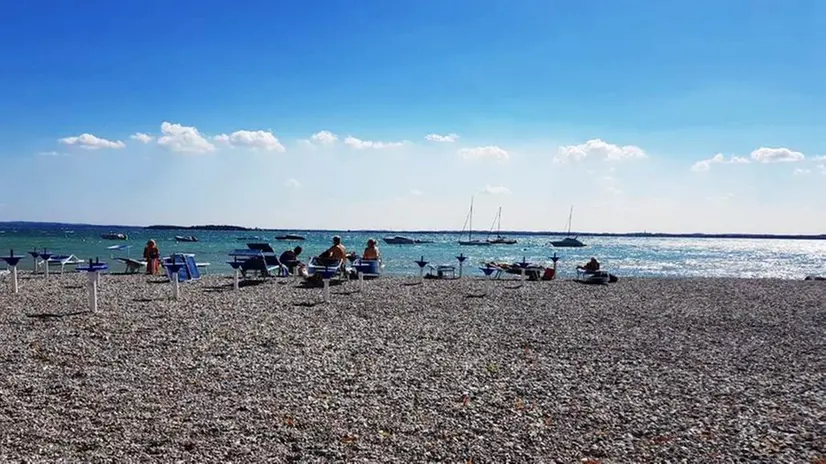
[
  {"x": 337, "y": 252},
  {"x": 372, "y": 251},
  {"x": 152, "y": 255},
  {"x": 590, "y": 266},
  {"x": 290, "y": 258}
]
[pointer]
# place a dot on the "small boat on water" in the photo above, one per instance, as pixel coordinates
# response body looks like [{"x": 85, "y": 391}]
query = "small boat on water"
[
  {"x": 469, "y": 223},
  {"x": 186, "y": 238},
  {"x": 114, "y": 236},
  {"x": 289, "y": 237},
  {"x": 247, "y": 239},
  {"x": 568, "y": 242},
  {"x": 399, "y": 240},
  {"x": 500, "y": 240}
]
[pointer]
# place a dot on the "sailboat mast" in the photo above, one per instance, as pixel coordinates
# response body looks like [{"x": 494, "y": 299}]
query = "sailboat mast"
[
  {"x": 570, "y": 215},
  {"x": 470, "y": 229}
]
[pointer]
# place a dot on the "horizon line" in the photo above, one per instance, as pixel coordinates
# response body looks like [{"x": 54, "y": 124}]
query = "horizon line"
[{"x": 440, "y": 231}]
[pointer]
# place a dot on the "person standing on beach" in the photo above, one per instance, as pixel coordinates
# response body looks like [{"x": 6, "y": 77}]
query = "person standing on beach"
[{"x": 152, "y": 255}]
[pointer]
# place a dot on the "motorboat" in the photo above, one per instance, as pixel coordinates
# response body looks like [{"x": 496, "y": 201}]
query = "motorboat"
[
  {"x": 568, "y": 242},
  {"x": 399, "y": 240},
  {"x": 186, "y": 238},
  {"x": 289, "y": 237},
  {"x": 469, "y": 224},
  {"x": 114, "y": 236}
]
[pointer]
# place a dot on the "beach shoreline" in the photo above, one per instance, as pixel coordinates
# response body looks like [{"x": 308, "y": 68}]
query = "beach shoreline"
[{"x": 646, "y": 369}]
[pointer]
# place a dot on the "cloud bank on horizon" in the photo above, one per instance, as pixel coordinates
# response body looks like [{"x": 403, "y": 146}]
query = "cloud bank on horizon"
[{"x": 395, "y": 124}]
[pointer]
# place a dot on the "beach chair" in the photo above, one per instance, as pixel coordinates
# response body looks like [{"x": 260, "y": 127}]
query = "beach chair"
[
  {"x": 61, "y": 260},
  {"x": 325, "y": 267},
  {"x": 592, "y": 277},
  {"x": 255, "y": 260},
  {"x": 188, "y": 272},
  {"x": 440, "y": 271},
  {"x": 367, "y": 268},
  {"x": 491, "y": 270},
  {"x": 273, "y": 264},
  {"x": 132, "y": 265}
]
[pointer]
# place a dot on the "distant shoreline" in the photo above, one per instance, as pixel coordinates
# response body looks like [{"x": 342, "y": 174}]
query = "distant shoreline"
[{"x": 211, "y": 227}]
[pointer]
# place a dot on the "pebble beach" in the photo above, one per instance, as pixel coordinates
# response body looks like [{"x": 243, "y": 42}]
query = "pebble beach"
[{"x": 465, "y": 371}]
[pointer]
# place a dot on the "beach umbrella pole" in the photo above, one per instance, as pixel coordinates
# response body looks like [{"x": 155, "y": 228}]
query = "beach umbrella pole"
[
  {"x": 326, "y": 290},
  {"x": 235, "y": 284},
  {"x": 93, "y": 291},
  {"x": 14, "y": 278}
]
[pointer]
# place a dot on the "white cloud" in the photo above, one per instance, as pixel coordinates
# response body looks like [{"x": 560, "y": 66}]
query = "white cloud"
[
  {"x": 292, "y": 183},
  {"x": 324, "y": 137},
  {"x": 802, "y": 172},
  {"x": 259, "y": 139},
  {"x": 776, "y": 155},
  {"x": 363, "y": 144},
  {"x": 52, "y": 153},
  {"x": 597, "y": 148},
  {"x": 821, "y": 168},
  {"x": 496, "y": 190},
  {"x": 183, "y": 139},
  {"x": 490, "y": 151},
  {"x": 449, "y": 138},
  {"x": 141, "y": 137},
  {"x": 90, "y": 142},
  {"x": 719, "y": 158},
  {"x": 415, "y": 192}
]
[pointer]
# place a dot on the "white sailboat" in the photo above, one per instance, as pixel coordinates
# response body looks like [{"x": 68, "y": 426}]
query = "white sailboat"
[
  {"x": 469, "y": 223},
  {"x": 568, "y": 242},
  {"x": 499, "y": 240}
]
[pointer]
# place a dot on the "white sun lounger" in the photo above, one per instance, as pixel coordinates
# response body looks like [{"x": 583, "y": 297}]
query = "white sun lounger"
[{"x": 62, "y": 261}]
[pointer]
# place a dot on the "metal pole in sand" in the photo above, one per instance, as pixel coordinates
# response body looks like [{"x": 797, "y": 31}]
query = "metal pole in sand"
[
  {"x": 174, "y": 278},
  {"x": 235, "y": 284},
  {"x": 14, "y": 278},
  {"x": 46, "y": 255},
  {"x": 12, "y": 261},
  {"x": 554, "y": 258},
  {"x": 326, "y": 289},
  {"x": 93, "y": 289},
  {"x": 361, "y": 280},
  {"x": 34, "y": 254},
  {"x": 422, "y": 263},
  {"x": 461, "y": 259}
]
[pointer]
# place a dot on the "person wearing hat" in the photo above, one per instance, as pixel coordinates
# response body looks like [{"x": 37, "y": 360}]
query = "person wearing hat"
[{"x": 372, "y": 251}]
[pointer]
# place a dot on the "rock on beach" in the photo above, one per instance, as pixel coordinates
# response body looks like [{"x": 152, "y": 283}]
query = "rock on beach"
[{"x": 469, "y": 370}]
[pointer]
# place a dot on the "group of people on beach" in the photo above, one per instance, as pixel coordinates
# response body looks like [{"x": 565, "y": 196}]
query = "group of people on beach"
[{"x": 337, "y": 253}]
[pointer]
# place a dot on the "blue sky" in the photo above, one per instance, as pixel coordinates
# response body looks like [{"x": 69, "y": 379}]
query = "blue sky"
[{"x": 660, "y": 116}]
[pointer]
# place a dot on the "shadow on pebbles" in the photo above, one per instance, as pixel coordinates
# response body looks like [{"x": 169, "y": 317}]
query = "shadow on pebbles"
[{"x": 693, "y": 370}]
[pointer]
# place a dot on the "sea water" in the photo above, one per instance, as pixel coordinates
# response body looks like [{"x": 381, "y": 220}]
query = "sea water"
[{"x": 623, "y": 256}]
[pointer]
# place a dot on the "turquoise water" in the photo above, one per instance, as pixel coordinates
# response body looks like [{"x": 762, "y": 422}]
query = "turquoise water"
[{"x": 624, "y": 256}]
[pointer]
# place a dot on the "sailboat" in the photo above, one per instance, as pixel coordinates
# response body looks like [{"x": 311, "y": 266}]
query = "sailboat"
[
  {"x": 499, "y": 240},
  {"x": 568, "y": 242},
  {"x": 469, "y": 223}
]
